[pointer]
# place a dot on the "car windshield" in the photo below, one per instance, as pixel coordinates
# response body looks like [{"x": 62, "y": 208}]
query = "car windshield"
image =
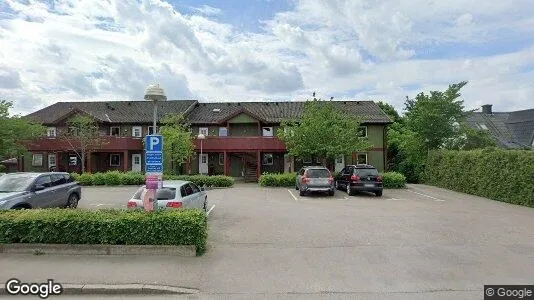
[
  {"x": 15, "y": 182},
  {"x": 367, "y": 172},
  {"x": 317, "y": 173},
  {"x": 166, "y": 193}
]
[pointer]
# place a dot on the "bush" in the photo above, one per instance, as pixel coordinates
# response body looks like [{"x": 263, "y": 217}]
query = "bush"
[
  {"x": 99, "y": 179},
  {"x": 503, "y": 175},
  {"x": 115, "y": 227},
  {"x": 393, "y": 180},
  {"x": 84, "y": 179},
  {"x": 132, "y": 178},
  {"x": 112, "y": 178},
  {"x": 204, "y": 180},
  {"x": 3, "y": 169},
  {"x": 278, "y": 179}
]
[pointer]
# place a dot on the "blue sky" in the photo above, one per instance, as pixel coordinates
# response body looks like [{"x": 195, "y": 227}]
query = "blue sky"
[{"x": 91, "y": 50}]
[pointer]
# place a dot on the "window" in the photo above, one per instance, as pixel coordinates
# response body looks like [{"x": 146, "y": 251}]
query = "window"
[
  {"x": 221, "y": 159},
  {"x": 45, "y": 181},
  {"x": 318, "y": 160},
  {"x": 203, "y": 130},
  {"x": 73, "y": 160},
  {"x": 115, "y": 160},
  {"x": 151, "y": 129},
  {"x": 267, "y": 131},
  {"x": 186, "y": 190},
  {"x": 136, "y": 131},
  {"x": 367, "y": 172},
  {"x": 362, "y": 131},
  {"x": 137, "y": 159},
  {"x": 339, "y": 159},
  {"x": 194, "y": 188},
  {"x": 318, "y": 173},
  {"x": 37, "y": 160},
  {"x": 307, "y": 160},
  {"x": 483, "y": 126},
  {"x": 114, "y": 131},
  {"x": 51, "y": 160},
  {"x": 58, "y": 179},
  {"x": 204, "y": 158},
  {"x": 223, "y": 131},
  {"x": 268, "y": 159},
  {"x": 362, "y": 158},
  {"x": 51, "y": 131},
  {"x": 166, "y": 193}
]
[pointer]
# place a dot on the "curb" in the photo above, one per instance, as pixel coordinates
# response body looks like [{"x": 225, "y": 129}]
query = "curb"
[
  {"x": 81, "y": 249},
  {"x": 124, "y": 289}
]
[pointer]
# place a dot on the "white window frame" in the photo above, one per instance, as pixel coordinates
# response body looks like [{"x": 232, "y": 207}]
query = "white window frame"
[
  {"x": 111, "y": 160},
  {"x": 52, "y": 155},
  {"x": 75, "y": 162},
  {"x": 221, "y": 159},
  {"x": 49, "y": 130},
  {"x": 304, "y": 160},
  {"x": 140, "y": 128},
  {"x": 366, "y": 158},
  {"x": 223, "y": 129},
  {"x": 37, "y": 160},
  {"x": 111, "y": 130},
  {"x": 366, "y": 129},
  {"x": 482, "y": 126},
  {"x": 151, "y": 127},
  {"x": 271, "y": 130},
  {"x": 203, "y": 130},
  {"x": 264, "y": 160}
]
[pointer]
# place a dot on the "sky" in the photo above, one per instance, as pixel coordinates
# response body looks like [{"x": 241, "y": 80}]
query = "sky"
[{"x": 266, "y": 50}]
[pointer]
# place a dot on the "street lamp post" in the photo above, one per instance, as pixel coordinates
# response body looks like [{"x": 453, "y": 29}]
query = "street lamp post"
[
  {"x": 201, "y": 137},
  {"x": 154, "y": 177}
]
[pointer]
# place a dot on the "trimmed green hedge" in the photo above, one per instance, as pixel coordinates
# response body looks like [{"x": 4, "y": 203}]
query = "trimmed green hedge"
[
  {"x": 115, "y": 227},
  {"x": 503, "y": 175},
  {"x": 112, "y": 178},
  {"x": 275, "y": 179},
  {"x": 393, "y": 180}
]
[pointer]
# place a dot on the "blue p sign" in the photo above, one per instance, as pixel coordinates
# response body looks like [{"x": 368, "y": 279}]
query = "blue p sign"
[{"x": 154, "y": 143}]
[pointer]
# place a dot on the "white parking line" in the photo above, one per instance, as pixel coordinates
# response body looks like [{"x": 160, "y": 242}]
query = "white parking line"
[
  {"x": 292, "y": 195},
  {"x": 346, "y": 198},
  {"x": 421, "y": 194},
  {"x": 212, "y": 207}
]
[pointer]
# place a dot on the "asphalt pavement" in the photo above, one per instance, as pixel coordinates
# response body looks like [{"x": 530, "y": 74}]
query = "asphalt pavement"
[{"x": 418, "y": 243}]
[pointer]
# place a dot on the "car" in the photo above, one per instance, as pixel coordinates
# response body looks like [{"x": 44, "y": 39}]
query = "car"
[
  {"x": 27, "y": 190},
  {"x": 314, "y": 179},
  {"x": 173, "y": 194},
  {"x": 359, "y": 178}
]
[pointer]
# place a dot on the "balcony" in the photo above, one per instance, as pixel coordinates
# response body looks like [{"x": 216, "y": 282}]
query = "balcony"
[
  {"x": 240, "y": 143},
  {"x": 108, "y": 143}
]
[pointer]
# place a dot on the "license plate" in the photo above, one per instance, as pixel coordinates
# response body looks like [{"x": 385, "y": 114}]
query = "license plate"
[{"x": 369, "y": 185}]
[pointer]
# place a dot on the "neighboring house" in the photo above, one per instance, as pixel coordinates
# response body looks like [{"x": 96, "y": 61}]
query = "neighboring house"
[
  {"x": 241, "y": 138},
  {"x": 512, "y": 130}
]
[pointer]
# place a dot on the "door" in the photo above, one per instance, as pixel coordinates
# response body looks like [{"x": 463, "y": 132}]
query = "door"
[
  {"x": 340, "y": 163},
  {"x": 136, "y": 162},
  {"x": 187, "y": 196},
  {"x": 60, "y": 189},
  {"x": 197, "y": 201},
  {"x": 43, "y": 198},
  {"x": 203, "y": 164}
]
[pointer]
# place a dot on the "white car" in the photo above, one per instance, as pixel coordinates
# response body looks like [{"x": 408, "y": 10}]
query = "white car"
[{"x": 173, "y": 194}]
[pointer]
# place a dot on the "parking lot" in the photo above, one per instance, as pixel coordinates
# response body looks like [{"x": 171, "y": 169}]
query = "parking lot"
[{"x": 417, "y": 243}]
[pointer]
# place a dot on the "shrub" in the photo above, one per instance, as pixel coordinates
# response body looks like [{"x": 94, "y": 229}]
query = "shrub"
[
  {"x": 393, "y": 180},
  {"x": 278, "y": 179},
  {"x": 3, "y": 169},
  {"x": 99, "y": 179},
  {"x": 503, "y": 175},
  {"x": 84, "y": 179},
  {"x": 132, "y": 178},
  {"x": 115, "y": 227},
  {"x": 113, "y": 178},
  {"x": 204, "y": 180}
]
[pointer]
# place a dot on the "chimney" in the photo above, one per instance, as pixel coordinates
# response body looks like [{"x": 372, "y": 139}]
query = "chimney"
[{"x": 486, "y": 109}]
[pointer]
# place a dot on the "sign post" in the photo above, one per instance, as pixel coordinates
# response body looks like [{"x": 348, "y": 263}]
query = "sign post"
[{"x": 153, "y": 170}]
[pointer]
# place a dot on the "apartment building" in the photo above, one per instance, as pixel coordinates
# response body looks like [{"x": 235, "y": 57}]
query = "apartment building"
[{"x": 240, "y": 137}]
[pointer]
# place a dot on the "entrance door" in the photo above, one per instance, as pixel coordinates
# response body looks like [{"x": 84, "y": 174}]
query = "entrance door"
[
  {"x": 203, "y": 164},
  {"x": 136, "y": 162},
  {"x": 340, "y": 163}
]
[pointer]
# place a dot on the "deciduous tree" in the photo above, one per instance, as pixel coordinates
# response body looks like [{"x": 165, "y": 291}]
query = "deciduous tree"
[
  {"x": 178, "y": 142},
  {"x": 83, "y": 136}
]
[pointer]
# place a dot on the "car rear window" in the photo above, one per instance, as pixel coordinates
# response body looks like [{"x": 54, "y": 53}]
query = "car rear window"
[
  {"x": 317, "y": 173},
  {"x": 366, "y": 172},
  {"x": 166, "y": 193}
]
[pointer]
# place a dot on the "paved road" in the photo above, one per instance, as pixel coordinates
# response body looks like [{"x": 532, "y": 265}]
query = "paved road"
[{"x": 418, "y": 243}]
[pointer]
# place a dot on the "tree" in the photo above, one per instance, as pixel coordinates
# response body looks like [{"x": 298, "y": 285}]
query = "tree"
[
  {"x": 390, "y": 111},
  {"x": 178, "y": 142},
  {"x": 469, "y": 138},
  {"x": 323, "y": 131},
  {"x": 83, "y": 136},
  {"x": 15, "y": 130}
]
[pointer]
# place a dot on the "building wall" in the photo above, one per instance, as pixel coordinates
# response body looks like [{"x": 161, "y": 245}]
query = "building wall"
[
  {"x": 236, "y": 167},
  {"x": 244, "y": 130},
  {"x": 277, "y": 166}
]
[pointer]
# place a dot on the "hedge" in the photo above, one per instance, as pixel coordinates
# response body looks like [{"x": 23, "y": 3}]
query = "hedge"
[
  {"x": 503, "y": 175},
  {"x": 393, "y": 180},
  {"x": 112, "y": 227},
  {"x": 277, "y": 179},
  {"x": 112, "y": 178}
]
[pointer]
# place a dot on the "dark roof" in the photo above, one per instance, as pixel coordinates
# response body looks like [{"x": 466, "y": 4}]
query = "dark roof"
[
  {"x": 512, "y": 130},
  {"x": 274, "y": 112},
  {"x": 112, "y": 111},
  {"x": 199, "y": 113}
]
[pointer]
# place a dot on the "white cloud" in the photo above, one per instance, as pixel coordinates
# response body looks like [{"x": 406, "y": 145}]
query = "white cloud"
[{"x": 98, "y": 50}]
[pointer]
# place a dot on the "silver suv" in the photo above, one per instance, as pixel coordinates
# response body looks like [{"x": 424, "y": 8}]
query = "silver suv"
[
  {"x": 38, "y": 190},
  {"x": 315, "y": 179}
]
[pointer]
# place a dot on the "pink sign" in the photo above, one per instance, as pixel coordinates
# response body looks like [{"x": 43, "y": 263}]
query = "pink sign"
[{"x": 152, "y": 182}]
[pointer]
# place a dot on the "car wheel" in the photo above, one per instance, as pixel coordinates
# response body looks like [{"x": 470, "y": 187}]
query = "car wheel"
[
  {"x": 330, "y": 193},
  {"x": 301, "y": 193},
  {"x": 296, "y": 187},
  {"x": 73, "y": 201},
  {"x": 349, "y": 190},
  {"x": 379, "y": 194}
]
